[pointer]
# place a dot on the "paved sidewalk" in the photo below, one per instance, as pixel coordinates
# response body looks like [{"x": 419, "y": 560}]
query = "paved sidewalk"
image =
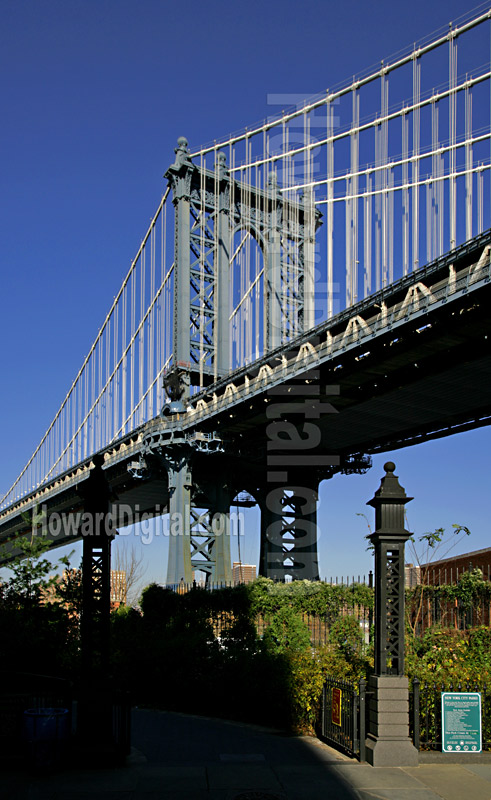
[{"x": 193, "y": 758}]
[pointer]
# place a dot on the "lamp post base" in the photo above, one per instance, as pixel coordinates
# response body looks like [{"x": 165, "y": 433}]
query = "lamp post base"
[{"x": 388, "y": 743}]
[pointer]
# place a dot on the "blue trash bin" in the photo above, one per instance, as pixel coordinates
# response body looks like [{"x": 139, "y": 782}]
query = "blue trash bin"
[{"x": 46, "y": 732}]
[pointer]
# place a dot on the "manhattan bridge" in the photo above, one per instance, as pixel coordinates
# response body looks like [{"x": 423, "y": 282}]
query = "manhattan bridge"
[{"x": 311, "y": 291}]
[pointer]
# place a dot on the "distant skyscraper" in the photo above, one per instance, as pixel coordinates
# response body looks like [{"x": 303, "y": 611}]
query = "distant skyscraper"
[
  {"x": 412, "y": 575},
  {"x": 243, "y": 573},
  {"x": 118, "y": 586}
]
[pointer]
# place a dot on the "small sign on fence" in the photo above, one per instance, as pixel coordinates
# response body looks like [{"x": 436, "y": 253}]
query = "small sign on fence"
[
  {"x": 337, "y": 699},
  {"x": 461, "y": 722}
]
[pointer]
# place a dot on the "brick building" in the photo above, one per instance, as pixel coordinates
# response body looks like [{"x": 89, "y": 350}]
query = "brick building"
[
  {"x": 436, "y": 606},
  {"x": 448, "y": 570},
  {"x": 243, "y": 573},
  {"x": 119, "y": 589}
]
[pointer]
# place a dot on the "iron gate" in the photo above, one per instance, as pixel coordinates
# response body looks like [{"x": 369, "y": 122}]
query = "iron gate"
[{"x": 343, "y": 716}]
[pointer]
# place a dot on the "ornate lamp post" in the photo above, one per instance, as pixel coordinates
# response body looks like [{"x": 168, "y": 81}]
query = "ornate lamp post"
[{"x": 388, "y": 742}]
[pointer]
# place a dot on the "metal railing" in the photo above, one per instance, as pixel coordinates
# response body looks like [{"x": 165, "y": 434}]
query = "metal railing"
[{"x": 344, "y": 715}]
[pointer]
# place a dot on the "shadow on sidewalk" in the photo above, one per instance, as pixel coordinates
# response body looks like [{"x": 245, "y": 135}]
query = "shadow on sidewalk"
[{"x": 187, "y": 757}]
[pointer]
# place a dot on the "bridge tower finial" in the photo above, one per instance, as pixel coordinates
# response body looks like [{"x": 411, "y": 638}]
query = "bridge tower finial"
[{"x": 182, "y": 152}]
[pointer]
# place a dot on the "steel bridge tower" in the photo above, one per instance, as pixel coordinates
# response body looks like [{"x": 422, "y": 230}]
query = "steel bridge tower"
[{"x": 210, "y": 208}]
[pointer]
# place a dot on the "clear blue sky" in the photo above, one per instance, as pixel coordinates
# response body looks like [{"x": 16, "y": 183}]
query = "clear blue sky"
[{"x": 93, "y": 96}]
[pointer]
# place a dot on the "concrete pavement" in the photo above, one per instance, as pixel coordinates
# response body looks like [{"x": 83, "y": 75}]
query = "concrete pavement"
[{"x": 194, "y": 758}]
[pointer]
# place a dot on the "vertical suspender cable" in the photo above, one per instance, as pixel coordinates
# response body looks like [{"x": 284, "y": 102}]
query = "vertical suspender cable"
[
  {"x": 257, "y": 268},
  {"x": 468, "y": 163},
  {"x": 452, "y": 80},
  {"x": 116, "y": 340},
  {"x": 415, "y": 156},
  {"x": 367, "y": 229},
  {"x": 348, "y": 206},
  {"x": 132, "y": 351},
  {"x": 141, "y": 336},
  {"x": 124, "y": 378},
  {"x": 480, "y": 199},
  {"x": 159, "y": 332},
  {"x": 151, "y": 326},
  {"x": 231, "y": 202},
  {"x": 198, "y": 313},
  {"x": 247, "y": 260},
  {"x": 352, "y": 204},
  {"x": 92, "y": 395},
  {"x": 378, "y": 205},
  {"x": 330, "y": 207},
  {"x": 441, "y": 202},
  {"x": 390, "y": 231},
  {"x": 428, "y": 221},
  {"x": 405, "y": 193},
  {"x": 384, "y": 174},
  {"x": 433, "y": 186},
  {"x": 85, "y": 407}
]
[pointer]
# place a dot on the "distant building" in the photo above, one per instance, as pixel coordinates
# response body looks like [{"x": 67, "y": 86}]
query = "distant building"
[
  {"x": 412, "y": 576},
  {"x": 449, "y": 570},
  {"x": 119, "y": 589},
  {"x": 243, "y": 573},
  {"x": 437, "y": 608}
]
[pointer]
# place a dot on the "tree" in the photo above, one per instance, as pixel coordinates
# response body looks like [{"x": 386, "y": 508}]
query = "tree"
[
  {"x": 125, "y": 558},
  {"x": 29, "y": 570},
  {"x": 35, "y": 627},
  {"x": 287, "y": 632},
  {"x": 434, "y": 546}
]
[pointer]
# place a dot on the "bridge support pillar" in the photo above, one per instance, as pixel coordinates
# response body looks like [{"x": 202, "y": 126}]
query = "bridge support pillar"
[
  {"x": 289, "y": 533},
  {"x": 96, "y": 575},
  {"x": 95, "y": 705},
  {"x": 180, "y": 485},
  {"x": 199, "y": 524},
  {"x": 220, "y": 546}
]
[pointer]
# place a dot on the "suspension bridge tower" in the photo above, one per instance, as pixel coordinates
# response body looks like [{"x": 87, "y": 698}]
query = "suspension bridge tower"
[{"x": 210, "y": 208}]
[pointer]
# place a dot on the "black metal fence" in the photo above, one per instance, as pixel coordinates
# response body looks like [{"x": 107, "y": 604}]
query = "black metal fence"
[
  {"x": 430, "y": 605},
  {"x": 320, "y": 625},
  {"x": 344, "y": 715},
  {"x": 425, "y": 712}
]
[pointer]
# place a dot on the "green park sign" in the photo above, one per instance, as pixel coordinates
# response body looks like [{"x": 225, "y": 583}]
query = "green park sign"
[{"x": 461, "y": 722}]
